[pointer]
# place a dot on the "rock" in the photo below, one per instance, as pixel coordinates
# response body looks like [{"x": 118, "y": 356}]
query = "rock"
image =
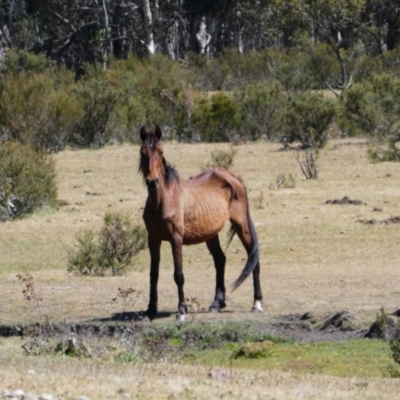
[
  {"x": 6, "y": 394},
  {"x": 46, "y": 396},
  {"x": 19, "y": 394},
  {"x": 30, "y": 396}
]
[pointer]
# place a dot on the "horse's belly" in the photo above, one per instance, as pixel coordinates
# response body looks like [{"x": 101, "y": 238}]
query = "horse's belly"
[{"x": 198, "y": 230}]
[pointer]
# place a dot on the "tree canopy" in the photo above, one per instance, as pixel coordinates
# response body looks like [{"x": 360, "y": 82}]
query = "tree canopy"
[{"x": 77, "y": 32}]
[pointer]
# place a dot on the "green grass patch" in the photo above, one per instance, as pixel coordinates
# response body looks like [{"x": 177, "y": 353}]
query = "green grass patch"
[
  {"x": 362, "y": 358},
  {"x": 232, "y": 345},
  {"x": 243, "y": 347},
  {"x": 202, "y": 335}
]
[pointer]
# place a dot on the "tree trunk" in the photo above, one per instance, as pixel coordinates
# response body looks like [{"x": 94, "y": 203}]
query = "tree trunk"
[
  {"x": 107, "y": 37},
  {"x": 5, "y": 37},
  {"x": 148, "y": 25},
  {"x": 203, "y": 37}
]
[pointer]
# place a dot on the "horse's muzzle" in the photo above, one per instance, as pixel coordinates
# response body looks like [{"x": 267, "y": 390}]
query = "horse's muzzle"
[{"x": 152, "y": 184}]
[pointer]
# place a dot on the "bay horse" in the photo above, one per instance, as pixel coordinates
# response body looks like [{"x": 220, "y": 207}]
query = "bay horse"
[{"x": 193, "y": 211}]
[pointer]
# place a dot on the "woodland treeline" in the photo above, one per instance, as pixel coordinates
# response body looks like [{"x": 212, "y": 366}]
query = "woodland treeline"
[
  {"x": 89, "y": 72},
  {"x": 75, "y": 32}
]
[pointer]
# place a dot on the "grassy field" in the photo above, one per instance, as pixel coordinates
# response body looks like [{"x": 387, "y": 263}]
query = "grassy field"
[{"x": 315, "y": 257}]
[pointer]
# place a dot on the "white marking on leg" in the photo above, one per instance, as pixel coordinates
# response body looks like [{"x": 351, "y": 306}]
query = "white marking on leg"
[{"x": 257, "y": 307}]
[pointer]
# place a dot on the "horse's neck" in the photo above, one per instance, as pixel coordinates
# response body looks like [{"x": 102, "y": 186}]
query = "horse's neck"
[{"x": 156, "y": 196}]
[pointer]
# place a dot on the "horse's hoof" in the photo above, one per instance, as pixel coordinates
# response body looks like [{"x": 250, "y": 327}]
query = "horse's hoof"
[
  {"x": 181, "y": 317},
  {"x": 257, "y": 310},
  {"x": 213, "y": 310},
  {"x": 149, "y": 316}
]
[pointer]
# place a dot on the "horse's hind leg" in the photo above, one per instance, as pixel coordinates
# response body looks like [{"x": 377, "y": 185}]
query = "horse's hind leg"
[
  {"x": 219, "y": 261},
  {"x": 245, "y": 237},
  {"x": 257, "y": 306}
]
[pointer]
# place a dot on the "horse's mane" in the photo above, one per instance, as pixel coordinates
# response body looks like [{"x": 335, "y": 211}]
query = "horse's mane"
[{"x": 170, "y": 173}]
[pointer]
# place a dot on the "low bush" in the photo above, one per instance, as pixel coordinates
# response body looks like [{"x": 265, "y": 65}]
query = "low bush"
[
  {"x": 307, "y": 118},
  {"x": 110, "y": 251},
  {"x": 372, "y": 108},
  {"x": 260, "y": 107},
  {"x": 284, "y": 181},
  {"x": 216, "y": 118},
  {"x": 98, "y": 101},
  {"x": 34, "y": 112},
  {"x": 221, "y": 159},
  {"x": 27, "y": 180}
]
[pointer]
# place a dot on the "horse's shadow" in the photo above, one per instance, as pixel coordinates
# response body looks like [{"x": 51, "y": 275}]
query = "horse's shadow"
[{"x": 133, "y": 316}]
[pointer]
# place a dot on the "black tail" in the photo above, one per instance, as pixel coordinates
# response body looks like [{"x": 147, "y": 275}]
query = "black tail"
[{"x": 253, "y": 257}]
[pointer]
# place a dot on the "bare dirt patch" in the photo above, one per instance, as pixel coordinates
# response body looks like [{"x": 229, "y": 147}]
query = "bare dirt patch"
[
  {"x": 387, "y": 221},
  {"x": 346, "y": 200}
]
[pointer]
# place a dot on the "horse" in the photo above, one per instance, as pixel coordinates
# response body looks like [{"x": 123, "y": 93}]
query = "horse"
[{"x": 193, "y": 211}]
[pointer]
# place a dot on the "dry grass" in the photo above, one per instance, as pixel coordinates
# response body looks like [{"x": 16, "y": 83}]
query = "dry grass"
[
  {"x": 314, "y": 256},
  {"x": 68, "y": 377}
]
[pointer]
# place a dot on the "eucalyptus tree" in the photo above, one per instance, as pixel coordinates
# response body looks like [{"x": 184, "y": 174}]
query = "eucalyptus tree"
[{"x": 337, "y": 23}]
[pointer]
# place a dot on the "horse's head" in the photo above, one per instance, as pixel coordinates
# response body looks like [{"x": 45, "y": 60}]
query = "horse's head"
[{"x": 151, "y": 157}]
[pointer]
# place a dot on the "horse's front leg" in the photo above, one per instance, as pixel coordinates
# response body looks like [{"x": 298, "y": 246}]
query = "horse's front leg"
[
  {"x": 154, "y": 247},
  {"x": 179, "y": 278}
]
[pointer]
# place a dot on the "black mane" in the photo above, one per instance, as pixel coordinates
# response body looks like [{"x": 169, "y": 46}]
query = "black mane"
[{"x": 170, "y": 173}]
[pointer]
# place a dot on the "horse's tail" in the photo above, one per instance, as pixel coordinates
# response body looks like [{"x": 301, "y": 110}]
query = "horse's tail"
[{"x": 253, "y": 257}]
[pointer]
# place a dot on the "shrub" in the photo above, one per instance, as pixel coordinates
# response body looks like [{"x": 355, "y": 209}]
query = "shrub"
[
  {"x": 110, "y": 251},
  {"x": 216, "y": 118},
  {"x": 34, "y": 112},
  {"x": 135, "y": 106},
  {"x": 143, "y": 83},
  {"x": 295, "y": 71},
  {"x": 221, "y": 158},
  {"x": 183, "y": 105},
  {"x": 307, "y": 118},
  {"x": 22, "y": 60},
  {"x": 308, "y": 163},
  {"x": 260, "y": 106},
  {"x": 357, "y": 114},
  {"x": 372, "y": 107},
  {"x": 388, "y": 152},
  {"x": 98, "y": 103},
  {"x": 27, "y": 180},
  {"x": 284, "y": 181}
]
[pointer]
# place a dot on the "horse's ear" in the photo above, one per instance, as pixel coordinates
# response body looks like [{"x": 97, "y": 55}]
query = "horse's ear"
[
  {"x": 143, "y": 134},
  {"x": 158, "y": 132}
]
